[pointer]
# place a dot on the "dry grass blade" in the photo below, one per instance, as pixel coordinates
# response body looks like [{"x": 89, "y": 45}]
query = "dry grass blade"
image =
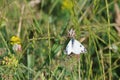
[
  {"x": 117, "y": 18},
  {"x": 20, "y": 21}
]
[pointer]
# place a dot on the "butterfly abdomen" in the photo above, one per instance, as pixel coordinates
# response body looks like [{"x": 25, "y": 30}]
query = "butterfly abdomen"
[{"x": 72, "y": 41}]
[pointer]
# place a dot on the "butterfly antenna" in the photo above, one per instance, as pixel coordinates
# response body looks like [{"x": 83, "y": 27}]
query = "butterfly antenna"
[{"x": 71, "y": 33}]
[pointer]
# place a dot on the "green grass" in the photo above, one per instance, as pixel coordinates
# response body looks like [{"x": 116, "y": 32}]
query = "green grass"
[{"x": 43, "y": 33}]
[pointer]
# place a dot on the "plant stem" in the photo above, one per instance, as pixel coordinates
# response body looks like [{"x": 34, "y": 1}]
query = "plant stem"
[{"x": 108, "y": 19}]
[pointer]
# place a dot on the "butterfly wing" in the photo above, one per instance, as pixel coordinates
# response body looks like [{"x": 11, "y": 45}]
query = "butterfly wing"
[
  {"x": 78, "y": 47},
  {"x": 68, "y": 49}
]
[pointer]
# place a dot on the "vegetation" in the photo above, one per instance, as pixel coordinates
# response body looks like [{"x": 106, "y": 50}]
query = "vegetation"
[{"x": 33, "y": 37}]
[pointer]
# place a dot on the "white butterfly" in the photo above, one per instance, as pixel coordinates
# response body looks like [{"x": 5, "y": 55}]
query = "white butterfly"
[{"x": 75, "y": 47}]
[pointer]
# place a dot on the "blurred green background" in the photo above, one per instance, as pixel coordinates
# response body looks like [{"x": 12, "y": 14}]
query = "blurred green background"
[{"x": 42, "y": 26}]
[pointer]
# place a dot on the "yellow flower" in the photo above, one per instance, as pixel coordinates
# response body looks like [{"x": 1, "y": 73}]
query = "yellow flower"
[
  {"x": 10, "y": 61},
  {"x": 67, "y": 4},
  {"x": 15, "y": 40}
]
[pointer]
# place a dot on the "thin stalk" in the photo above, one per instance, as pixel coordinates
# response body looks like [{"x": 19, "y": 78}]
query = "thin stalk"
[
  {"x": 41, "y": 38},
  {"x": 79, "y": 70},
  {"x": 102, "y": 64},
  {"x": 49, "y": 38},
  {"x": 108, "y": 19},
  {"x": 49, "y": 45}
]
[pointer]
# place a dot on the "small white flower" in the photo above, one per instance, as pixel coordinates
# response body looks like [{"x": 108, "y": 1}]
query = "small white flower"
[{"x": 17, "y": 47}]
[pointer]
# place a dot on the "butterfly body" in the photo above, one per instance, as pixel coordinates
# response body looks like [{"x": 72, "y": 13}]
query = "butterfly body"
[{"x": 75, "y": 47}]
